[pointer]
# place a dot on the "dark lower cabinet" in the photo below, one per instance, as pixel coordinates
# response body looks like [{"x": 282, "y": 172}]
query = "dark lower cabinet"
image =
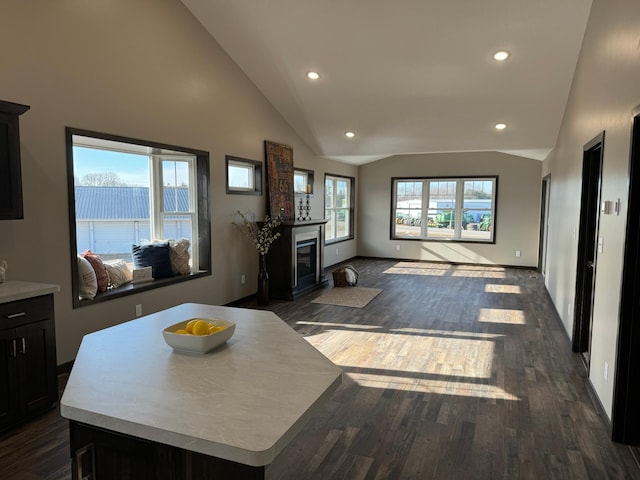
[
  {"x": 99, "y": 454},
  {"x": 28, "y": 383}
]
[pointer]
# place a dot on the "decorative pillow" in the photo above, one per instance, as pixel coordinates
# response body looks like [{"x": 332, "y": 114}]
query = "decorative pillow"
[
  {"x": 87, "y": 284},
  {"x": 154, "y": 255},
  {"x": 101, "y": 272},
  {"x": 119, "y": 273},
  {"x": 179, "y": 253}
]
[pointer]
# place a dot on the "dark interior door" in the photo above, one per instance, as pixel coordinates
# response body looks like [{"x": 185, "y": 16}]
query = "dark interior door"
[
  {"x": 587, "y": 241},
  {"x": 625, "y": 414},
  {"x": 544, "y": 225}
]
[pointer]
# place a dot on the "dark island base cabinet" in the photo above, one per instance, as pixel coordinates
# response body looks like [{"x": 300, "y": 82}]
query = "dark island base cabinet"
[
  {"x": 99, "y": 454},
  {"x": 28, "y": 383}
]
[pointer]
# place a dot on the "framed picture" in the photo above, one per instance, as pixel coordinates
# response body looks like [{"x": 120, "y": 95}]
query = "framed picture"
[{"x": 279, "y": 163}]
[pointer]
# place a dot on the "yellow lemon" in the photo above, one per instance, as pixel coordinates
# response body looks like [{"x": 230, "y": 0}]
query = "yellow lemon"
[
  {"x": 182, "y": 331},
  {"x": 212, "y": 329},
  {"x": 191, "y": 324},
  {"x": 200, "y": 328}
]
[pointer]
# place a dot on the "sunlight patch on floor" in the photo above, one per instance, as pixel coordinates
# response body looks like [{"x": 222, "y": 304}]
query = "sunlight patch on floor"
[
  {"x": 415, "y": 355},
  {"x": 354, "y": 326},
  {"x": 502, "y": 315},
  {"x": 443, "y": 387},
  {"x": 432, "y": 272},
  {"x": 438, "y": 270},
  {"x": 497, "y": 288}
]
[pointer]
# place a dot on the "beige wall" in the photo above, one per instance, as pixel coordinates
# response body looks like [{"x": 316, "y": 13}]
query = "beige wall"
[
  {"x": 518, "y": 208},
  {"x": 606, "y": 87},
  {"x": 143, "y": 69}
]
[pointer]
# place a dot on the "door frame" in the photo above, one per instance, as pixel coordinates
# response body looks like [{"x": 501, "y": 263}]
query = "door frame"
[
  {"x": 587, "y": 252},
  {"x": 544, "y": 223},
  {"x": 625, "y": 415}
]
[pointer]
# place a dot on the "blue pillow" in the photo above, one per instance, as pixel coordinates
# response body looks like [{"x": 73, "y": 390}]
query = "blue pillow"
[{"x": 154, "y": 255}]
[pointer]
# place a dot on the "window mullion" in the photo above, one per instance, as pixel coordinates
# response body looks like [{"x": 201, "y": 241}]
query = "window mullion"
[
  {"x": 156, "y": 200},
  {"x": 424, "y": 223}
]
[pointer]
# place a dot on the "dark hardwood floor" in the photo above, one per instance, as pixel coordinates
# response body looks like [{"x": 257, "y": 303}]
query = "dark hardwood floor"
[{"x": 452, "y": 372}]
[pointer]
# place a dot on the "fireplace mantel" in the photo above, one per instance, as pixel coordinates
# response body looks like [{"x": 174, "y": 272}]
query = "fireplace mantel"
[{"x": 283, "y": 263}]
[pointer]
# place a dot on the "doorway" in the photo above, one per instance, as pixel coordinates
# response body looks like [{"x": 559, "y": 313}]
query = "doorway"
[
  {"x": 544, "y": 224},
  {"x": 587, "y": 241},
  {"x": 625, "y": 415}
]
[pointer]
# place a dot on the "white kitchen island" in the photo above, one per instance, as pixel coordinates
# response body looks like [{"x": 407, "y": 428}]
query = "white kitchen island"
[{"x": 137, "y": 407}]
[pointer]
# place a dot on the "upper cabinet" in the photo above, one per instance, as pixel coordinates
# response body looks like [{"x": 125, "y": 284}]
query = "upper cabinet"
[{"x": 10, "y": 171}]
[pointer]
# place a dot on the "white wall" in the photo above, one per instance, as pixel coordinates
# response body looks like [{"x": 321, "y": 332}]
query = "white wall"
[
  {"x": 144, "y": 69},
  {"x": 518, "y": 208},
  {"x": 606, "y": 87}
]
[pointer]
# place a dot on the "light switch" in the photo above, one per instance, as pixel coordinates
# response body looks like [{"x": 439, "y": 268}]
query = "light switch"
[{"x": 600, "y": 244}]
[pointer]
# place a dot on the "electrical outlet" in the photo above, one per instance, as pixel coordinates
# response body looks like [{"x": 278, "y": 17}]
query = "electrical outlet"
[
  {"x": 606, "y": 370},
  {"x": 518, "y": 253},
  {"x": 139, "y": 310},
  {"x": 398, "y": 248},
  {"x": 569, "y": 307},
  {"x": 337, "y": 251},
  {"x": 243, "y": 279}
]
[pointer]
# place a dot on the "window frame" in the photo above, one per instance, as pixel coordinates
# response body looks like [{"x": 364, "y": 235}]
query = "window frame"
[
  {"x": 350, "y": 207},
  {"x": 254, "y": 165},
  {"x": 457, "y": 209},
  {"x": 202, "y": 229},
  {"x": 309, "y": 180}
]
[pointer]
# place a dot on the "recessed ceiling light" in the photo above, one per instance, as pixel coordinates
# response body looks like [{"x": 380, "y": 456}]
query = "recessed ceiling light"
[
  {"x": 501, "y": 55},
  {"x": 349, "y": 134},
  {"x": 313, "y": 75},
  {"x": 500, "y": 126}
]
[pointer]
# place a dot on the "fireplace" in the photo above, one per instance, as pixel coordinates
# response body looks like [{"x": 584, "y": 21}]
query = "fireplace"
[
  {"x": 295, "y": 260},
  {"x": 306, "y": 260}
]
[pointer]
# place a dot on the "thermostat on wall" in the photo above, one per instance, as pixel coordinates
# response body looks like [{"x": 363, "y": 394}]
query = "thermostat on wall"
[{"x": 141, "y": 275}]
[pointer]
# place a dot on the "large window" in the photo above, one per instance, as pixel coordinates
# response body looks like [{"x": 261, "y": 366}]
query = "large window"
[
  {"x": 125, "y": 192},
  {"x": 338, "y": 207},
  {"x": 448, "y": 209}
]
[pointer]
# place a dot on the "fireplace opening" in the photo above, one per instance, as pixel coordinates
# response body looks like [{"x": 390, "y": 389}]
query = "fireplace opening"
[{"x": 306, "y": 261}]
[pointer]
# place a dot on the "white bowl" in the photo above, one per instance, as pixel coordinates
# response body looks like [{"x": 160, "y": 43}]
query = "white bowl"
[{"x": 198, "y": 343}]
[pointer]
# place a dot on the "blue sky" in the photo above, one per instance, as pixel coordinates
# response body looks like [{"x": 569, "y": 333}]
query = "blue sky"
[{"x": 132, "y": 169}]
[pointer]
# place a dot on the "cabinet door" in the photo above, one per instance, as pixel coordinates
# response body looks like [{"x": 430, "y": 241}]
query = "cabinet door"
[
  {"x": 37, "y": 365},
  {"x": 10, "y": 171},
  {"x": 9, "y": 409}
]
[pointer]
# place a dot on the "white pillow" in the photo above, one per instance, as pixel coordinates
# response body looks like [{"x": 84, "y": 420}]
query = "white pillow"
[
  {"x": 179, "y": 254},
  {"x": 118, "y": 272},
  {"x": 87, "y": 284}
]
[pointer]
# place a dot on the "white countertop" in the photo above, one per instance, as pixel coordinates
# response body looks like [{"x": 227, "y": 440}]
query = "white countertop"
[
  {"x": 244, "y": 401},
  {"x": 19, "y": 290}
]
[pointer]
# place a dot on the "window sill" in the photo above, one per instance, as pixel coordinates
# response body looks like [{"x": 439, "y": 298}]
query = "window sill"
[
  {"x": 133, "y": 288},
  {"x": 338, "y": 240},
  {"x": 445, "y": 240}
]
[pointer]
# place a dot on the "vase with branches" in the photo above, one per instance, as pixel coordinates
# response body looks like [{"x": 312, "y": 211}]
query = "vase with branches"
[{"x": 261, "y": 235}]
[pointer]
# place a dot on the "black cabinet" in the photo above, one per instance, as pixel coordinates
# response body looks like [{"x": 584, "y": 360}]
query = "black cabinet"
[
  {"x": 10, "y": 165},
  {"x": 28, "y": 383},
  {"x": 99, "y": 453}
]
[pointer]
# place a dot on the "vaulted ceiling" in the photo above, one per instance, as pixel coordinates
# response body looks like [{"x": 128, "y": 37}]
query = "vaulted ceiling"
[{"x": 407, "y": 76}]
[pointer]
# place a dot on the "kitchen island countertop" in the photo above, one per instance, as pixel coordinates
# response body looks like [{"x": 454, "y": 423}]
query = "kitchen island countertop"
[{"x": 244, "y": 401}]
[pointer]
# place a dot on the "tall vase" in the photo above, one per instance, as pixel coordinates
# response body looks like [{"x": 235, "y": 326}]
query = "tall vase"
[{"x": 263, "y": 282}]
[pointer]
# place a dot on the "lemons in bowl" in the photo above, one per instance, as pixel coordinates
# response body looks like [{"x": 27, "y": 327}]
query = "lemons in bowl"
[{"x": 198, "y": 335}]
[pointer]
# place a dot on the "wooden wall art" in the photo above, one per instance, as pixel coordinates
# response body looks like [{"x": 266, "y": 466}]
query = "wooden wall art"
[{"x": 279, "y": 162}]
